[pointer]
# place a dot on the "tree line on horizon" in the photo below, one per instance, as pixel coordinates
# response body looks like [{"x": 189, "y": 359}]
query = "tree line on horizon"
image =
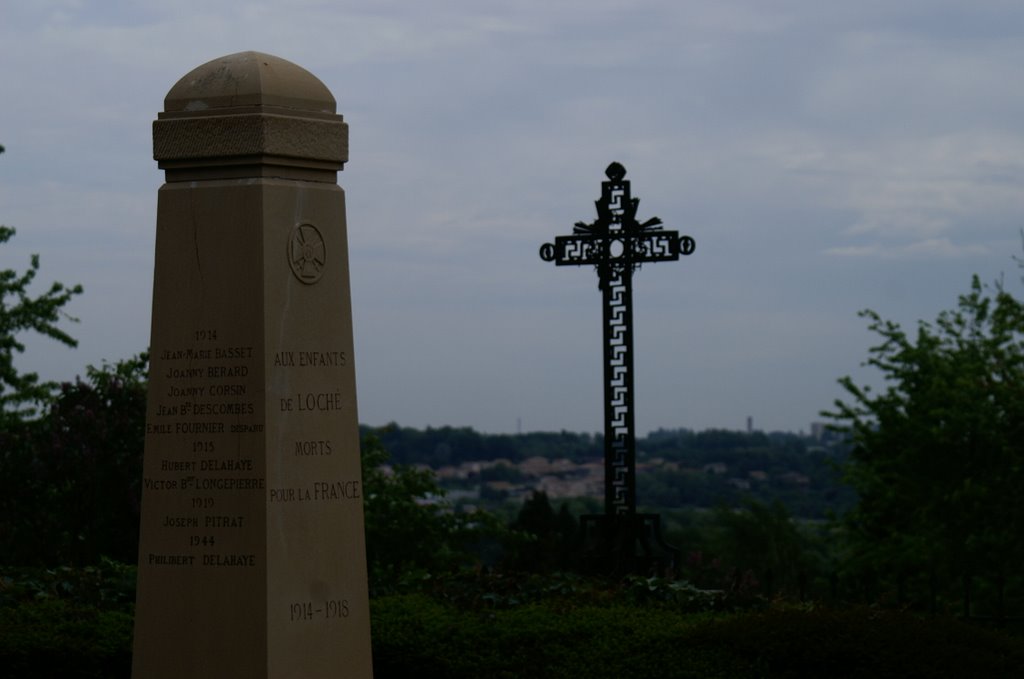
[{"x": 449, "y": 445}]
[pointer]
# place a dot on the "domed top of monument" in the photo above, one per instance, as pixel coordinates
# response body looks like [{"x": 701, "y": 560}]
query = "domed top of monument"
[{"x": 249, "y": 79}]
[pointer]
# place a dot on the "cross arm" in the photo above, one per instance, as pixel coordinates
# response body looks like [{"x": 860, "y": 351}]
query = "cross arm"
[{"x": 616, "y": 247}]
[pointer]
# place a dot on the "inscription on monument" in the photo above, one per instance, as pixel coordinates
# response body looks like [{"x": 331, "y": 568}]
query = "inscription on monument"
[
  {"x": 206, "y": 398},
  {"x": 205, "y": 402},
  {"x": 332, "y": 608},
  {"x": 312, "y": 403}
]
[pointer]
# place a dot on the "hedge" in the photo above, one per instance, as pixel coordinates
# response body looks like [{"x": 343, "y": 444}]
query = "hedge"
[{"x": 421, "y": 636}]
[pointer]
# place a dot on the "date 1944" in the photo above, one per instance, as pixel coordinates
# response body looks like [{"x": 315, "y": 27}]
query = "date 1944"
[{"x": 327, "y": 610}]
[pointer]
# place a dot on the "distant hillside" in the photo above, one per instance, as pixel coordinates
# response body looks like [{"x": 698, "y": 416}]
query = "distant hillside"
[{"x": 675, "y": 468}]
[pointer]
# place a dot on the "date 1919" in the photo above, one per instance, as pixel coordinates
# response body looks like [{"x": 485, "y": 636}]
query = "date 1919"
[{"x": 327, "y": 610}]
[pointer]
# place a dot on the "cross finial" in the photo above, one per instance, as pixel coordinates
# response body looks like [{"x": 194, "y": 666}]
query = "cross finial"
[{"x": 615, "y": 172}]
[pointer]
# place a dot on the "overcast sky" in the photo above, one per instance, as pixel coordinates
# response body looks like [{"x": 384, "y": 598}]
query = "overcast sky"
[{"x": 826, "y": 156}]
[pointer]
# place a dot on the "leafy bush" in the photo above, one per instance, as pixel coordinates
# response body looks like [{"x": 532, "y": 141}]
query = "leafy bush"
[
  {"x": 51, "y": 637},
  {"x": 415, "y": 635},
  {"x": 66, "y": 622},
  {"x": 70, "y": 481},
  {"x": 109, "y": 585},
  {"x": 411, "y": 531},
  {"x": 860, "y": 642},
  {"x": 488, "y": 625}
]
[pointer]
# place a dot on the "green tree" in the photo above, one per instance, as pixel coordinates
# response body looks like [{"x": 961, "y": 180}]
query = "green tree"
[
  {"x": 764, "y": 540},
  {"x": 69, "y": 481},
  {"x": 411, "y": 531},
  {"x": 552, "y": 541},
  {"x": 938, "y": 453},
  {"x": 20, "y": 311}
]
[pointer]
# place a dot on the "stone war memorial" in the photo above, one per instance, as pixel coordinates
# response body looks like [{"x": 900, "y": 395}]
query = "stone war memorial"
[{"x": 252, "y": 556}]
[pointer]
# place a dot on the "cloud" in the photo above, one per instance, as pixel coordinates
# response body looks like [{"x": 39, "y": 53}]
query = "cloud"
[
  {"x": 912, "y": 196},
  {"x": 928, "y": 248},
  {"x": 886, "y": 136}
]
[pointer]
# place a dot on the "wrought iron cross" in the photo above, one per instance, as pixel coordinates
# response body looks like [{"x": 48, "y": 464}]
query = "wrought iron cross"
[{"x": 616, "y": 244}]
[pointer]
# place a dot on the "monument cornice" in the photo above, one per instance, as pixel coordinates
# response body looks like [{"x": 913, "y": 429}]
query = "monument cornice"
[{"x": 253, "y": 144}]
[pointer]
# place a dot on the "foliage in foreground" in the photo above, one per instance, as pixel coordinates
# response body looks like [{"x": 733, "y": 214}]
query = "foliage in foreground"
[
  {"x": 110, "y": 585},
  {"x": 410, "y": 530},
  {"x": 53, "y": 637},
  {"x": 418, "y": 636},
  {"x": 52, "y": 623},
  {"x": 21, "y": 312},
  {"x": 70, "y": 480}
]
